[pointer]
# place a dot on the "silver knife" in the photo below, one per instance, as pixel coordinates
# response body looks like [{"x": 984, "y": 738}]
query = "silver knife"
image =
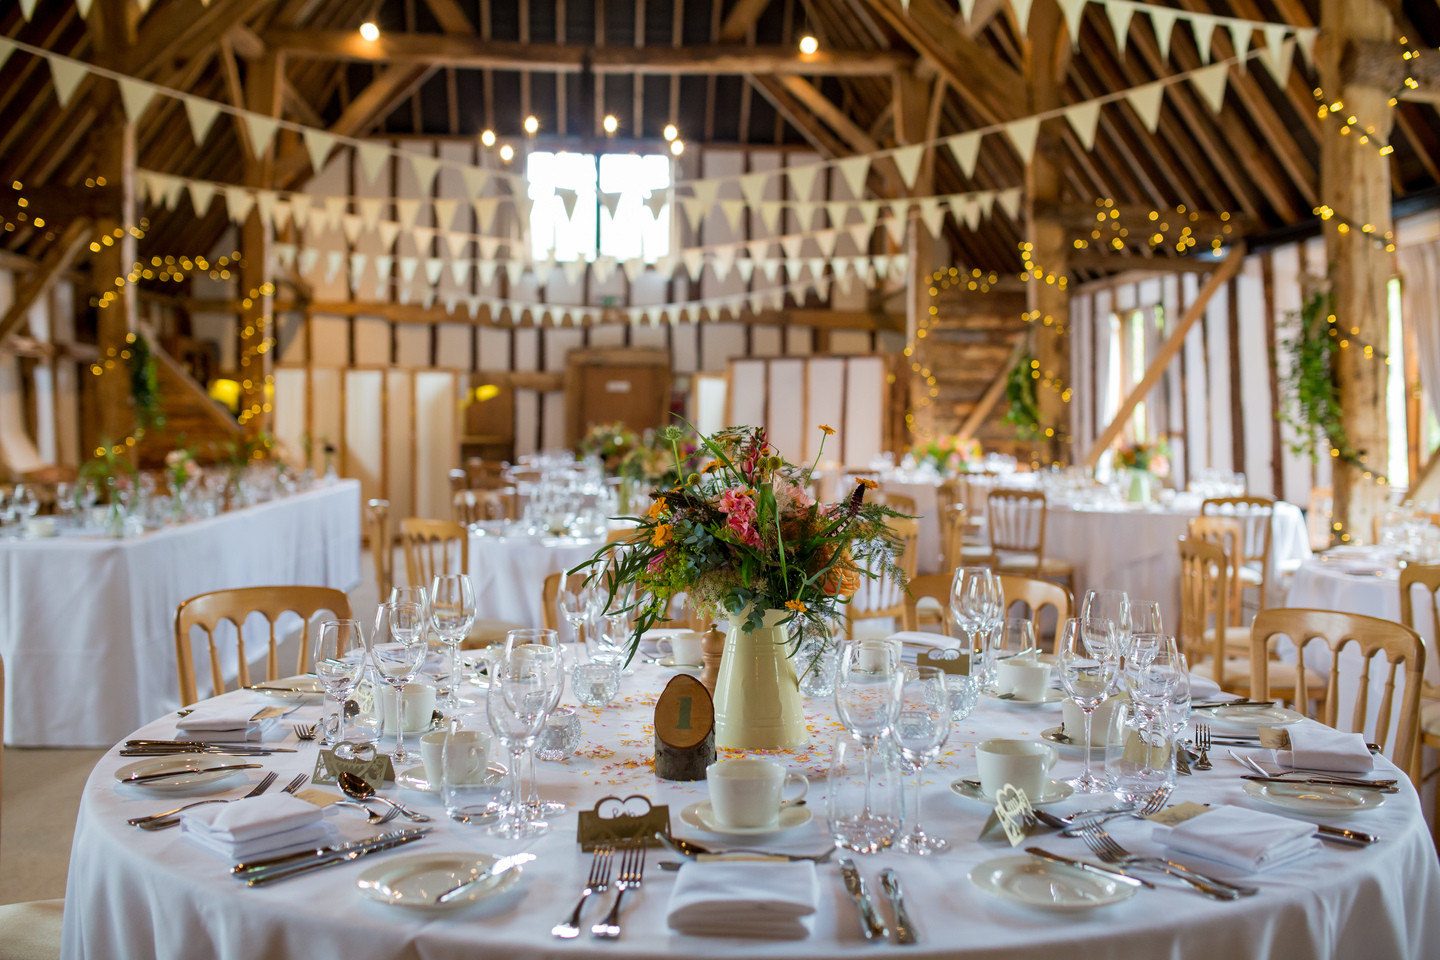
[
  {"x": 1325, "y": 832},
  {"x": 375, "y": 845},
  {"x": 870, "y": 923},
  {"x": 501, "y": 866},
  {"x": 904, "y": 926},
  {"x": 148, "y": 777},
  {"x": 1094, "y": 868},
  {"x": 1328, "y": 782},
  {"x": 206, "y": 744},
  {"x": 284, "y": 859}
]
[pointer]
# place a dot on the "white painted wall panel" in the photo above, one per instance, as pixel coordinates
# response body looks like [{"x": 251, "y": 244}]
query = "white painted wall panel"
[
  {"x": 864, "y": 409},
  {"x": 747, "y": 393},
  {"x": 785, "y": 420},
  {"x": 363, "y": 410},
  {"x": 402, "y": 464},
  {"x": 412, "y": 346},
  {"x": 436, "y": 447},
  {"x": 1255, "y": 378}
]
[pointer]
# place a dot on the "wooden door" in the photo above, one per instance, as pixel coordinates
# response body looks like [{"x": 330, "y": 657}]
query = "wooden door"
[{"x": 608, "y": 386}]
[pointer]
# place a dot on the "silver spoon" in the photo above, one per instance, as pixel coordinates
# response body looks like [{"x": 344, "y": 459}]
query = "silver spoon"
[
  {"x": 904, "y": 928},
  {"x": 356, "y": 788}
]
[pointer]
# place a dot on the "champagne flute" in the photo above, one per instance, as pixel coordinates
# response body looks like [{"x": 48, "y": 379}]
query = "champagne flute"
[
  {"x": 398, "y": 652},
  {"x": 337, "y": 655},
  {"x": 1088, "y": 679},
  {"x": 452, "y": 614},
  {"x": 922, "y": 725},
  {"x": 542, "y": 646},
  {"x": 577, "y": 606},
  {"x": 517, "y": 707}
]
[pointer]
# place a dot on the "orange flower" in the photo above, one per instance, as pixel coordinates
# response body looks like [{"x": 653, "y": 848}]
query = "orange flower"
[
  {"x": 711, "y": 467},
  {"x": 795, "y": 605},
  {"x": 826, "y": 429},
  {"x": 868, "y": 484},
  {"x": 657, "y": 509},
  {"x": 662, "y": 535}
]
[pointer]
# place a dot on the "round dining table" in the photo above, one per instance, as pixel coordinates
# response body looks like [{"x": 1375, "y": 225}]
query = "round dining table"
[{"x": 160, "y": 894}]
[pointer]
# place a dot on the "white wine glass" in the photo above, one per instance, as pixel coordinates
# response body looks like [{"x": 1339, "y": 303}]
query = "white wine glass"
[
  {"x": 974, "y": 602},
  {"x": 541, "y": 646},
  {"x": 398, "y": 651},
  {"x": 1088, "y": 679},
  {"x": 922, "y": 725},
  {"x": 1112, "y": 605},
  {"x": 518, "y": 705},
  {"x": 337, "y": 655},
  {"x": 452, "y": 614},
  {"x": 577, "y": 606}
]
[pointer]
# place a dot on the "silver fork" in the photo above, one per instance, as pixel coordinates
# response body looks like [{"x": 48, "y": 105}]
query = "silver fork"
[
  {"x": 166, "y": 823},
  {"x": 1202, "y": 740},
  {"x": 1108, "y": 850},
  {"x": 255, "y": 791},
  {"x": 1153, "y": 804},
  {"x": 632, "y": 871},
  {"x": 304, "y": 732},
  {"x": 370, "y": 815},
  {"x": 598, "y": 882}
]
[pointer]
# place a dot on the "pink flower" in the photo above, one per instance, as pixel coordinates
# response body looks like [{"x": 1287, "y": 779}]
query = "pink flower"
[
  {"x": 1160, "y": 465},
  {"x": 740, "y": 515},
  {"x": 656, "y": 562},
  {"x": 792, "y": 495}
]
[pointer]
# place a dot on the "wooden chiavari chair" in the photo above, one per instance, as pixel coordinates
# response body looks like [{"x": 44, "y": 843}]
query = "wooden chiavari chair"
[
  {"x": 1229, "y": 536},
  {"x": 1017, "y": 537},
  {"x": 1426, "y": 576},
  {"x": 1255, "y": 516},
  {"x": 881, "y": 596},
  {"x": 481, "y": 506},
  {"x": 1036, "y": 595},
  {"x": 433, "y": 547},
  {"x": 382, "y": 544}
]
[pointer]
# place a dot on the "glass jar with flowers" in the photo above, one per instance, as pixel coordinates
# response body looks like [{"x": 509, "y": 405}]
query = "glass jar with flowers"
[
  {"x": 1145, "y": 462},
  {"x": 744, "y": 541}
]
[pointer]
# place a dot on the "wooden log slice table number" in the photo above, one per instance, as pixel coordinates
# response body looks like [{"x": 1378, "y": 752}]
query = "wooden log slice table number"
[{"x": 684, "y": 730}]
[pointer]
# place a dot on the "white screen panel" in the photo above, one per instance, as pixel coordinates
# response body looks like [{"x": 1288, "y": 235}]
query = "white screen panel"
[
  {"x": 785, "y": 422},
  {"x": 825, "y": 400},
  {"x": 436, "y": 451},
  {"x": 747, "y": 393},
  {"x": 325, "y": 415},
  {"x": 864, "y": 409},
  {"x": 403, "y": 464},
  {"x": 289, "y": 422},
  {"x": 363, "y": 443},
  {"x": 372, "y": 342}
]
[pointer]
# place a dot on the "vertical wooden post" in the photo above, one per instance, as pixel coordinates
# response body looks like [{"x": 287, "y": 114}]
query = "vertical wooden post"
[
  {"x": 1047, "y": 57},
  {"x": 256, "y": 333},
  {"x": 112, "y": 266},
  {"x": 1355, "y": 183},
  {"x": 912, "y": 102}
]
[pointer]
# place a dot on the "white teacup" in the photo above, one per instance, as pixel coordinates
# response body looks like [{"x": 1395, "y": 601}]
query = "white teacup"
[
  {"x": 419, "y": 705},
  {"x": 747, "y": 793},
  {"x": 1099, "y": 721},
  {"x": 432, "y": 754},
  {"x": 41, "y": 527},
  {"x": 1023, "y": 763},
  {"x": 1026, "y": 677},
  {"x": 685, "y": 649}
]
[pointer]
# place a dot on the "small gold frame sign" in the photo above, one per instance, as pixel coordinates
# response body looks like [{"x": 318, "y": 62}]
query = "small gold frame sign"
[
  {"x": 947, "y": 661},
  {"x": 633, "y": 819}
]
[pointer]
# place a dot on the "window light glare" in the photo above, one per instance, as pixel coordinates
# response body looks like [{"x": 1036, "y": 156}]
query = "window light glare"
[
  {"x": 611, "y": 124},
  {"x": 671, "y": 131},
  {"x": 532, "y": 125},
  {"x": 369, "y": 31},
  {"x": 677, "y": 147},
  {"x": 488, "y": 138},
  {"x": 808, "y": 45}
]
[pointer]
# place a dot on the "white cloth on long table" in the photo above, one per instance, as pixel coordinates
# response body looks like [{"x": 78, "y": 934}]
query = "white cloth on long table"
[
  {"x": 508, "y": 572},
  {"x": 132, "y": 893},
  {"x": 87, "y": 625}
]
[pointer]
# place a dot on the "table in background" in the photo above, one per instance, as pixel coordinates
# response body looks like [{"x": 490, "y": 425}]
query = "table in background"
[
  {"x": 132, "y": 893},
  {"x": 1133, "y": 548},
  {"x": 509, "y": 572},
  {"x": 87, "y": 625}
]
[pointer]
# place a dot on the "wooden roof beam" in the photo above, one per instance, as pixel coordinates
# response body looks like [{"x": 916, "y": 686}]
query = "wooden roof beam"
[
  {"x": 741, "y": 19},
  {"x": 57, "y": 260},
  {"x": 436, "y": 50},
  {"x": 1374, "y": 64}
]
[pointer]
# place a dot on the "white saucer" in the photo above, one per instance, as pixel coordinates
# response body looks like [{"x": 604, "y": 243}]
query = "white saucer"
[
  {"x": 1046, "y": 885},
  {"x": 700, "y": 816},
  {"x": 1055, "y": 791},
  {"x": 670, "y": 662},
  {"x": 199, "y": 763},
  {"x": 1249, "y": 719},
  {"x": 1051, "y": 696},
  {"x": 415, "y": 881},
  {"x": 413, "y": 778},
  {"x": 1315, "y": 799},
  {"x": 1070, "y": 745}
]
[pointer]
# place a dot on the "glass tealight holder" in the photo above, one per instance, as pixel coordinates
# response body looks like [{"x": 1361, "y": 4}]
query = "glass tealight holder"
[
  {"x": 596, "y": 682},
  {"x": 561, "y": 736}
]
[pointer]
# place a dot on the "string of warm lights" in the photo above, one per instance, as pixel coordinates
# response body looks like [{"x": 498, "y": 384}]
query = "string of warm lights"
[{"x": 1158, "y": 225}]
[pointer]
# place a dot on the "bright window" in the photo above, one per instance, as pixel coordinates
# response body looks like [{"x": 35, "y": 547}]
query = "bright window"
[
  {"x": 633, "y": 233},
  {"x": 1399, "y": 465},
  {"x": 1128, "y": 360}
]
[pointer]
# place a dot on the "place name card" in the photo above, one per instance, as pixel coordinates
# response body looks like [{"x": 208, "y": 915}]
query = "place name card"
[
  {"x": 1178, "y": 814},
  {"x": 1013, "y": 818},
  {"x": 631, "y": 820},
  {"x": 946, "y": 661}
]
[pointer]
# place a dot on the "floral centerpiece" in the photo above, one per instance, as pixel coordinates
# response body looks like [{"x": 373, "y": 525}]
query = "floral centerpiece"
[
  {"x": 610, "y": 442},
  {"x": 947, "y": 454},
  {"x": 659, "y": 460},
  {"x": 179, "y": 468},
  {"x": 744, "y": 541},
  {"x": 1146, "y": 462}
]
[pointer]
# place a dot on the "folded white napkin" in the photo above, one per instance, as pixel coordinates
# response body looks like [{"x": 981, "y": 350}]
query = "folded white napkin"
[
  {"x": 920, "y": 638},
  {"x": 1203, "y": 688},
  {"x": 1238, "y": 837},
  {"x": 217, "y": 718},
  {"x": 776, "y": 901},
  {"x": 256, "y": 826},
  {"x": 1314, "y": 746}
]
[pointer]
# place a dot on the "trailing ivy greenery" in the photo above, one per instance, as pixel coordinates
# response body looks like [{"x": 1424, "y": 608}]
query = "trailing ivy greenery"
[
  {"x": 1311, "y": 386},
  {"x": 1024, "y": 412},
  {"x": 144, "y": 385}
]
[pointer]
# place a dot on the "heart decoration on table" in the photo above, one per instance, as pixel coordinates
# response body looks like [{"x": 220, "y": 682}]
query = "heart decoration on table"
[
  {"x": 632, "y": 819},
  {"x": 1013, "y": 817}
]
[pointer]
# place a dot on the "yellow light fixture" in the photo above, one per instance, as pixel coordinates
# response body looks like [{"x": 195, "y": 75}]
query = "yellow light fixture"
[
  {"x": 809, "y": 45},
  {"x": 507, "y": 153},
  {"x": 488, "y": 138},
  {"x": 532, "y": 125},
  {"x": 677, "y": 147},
  {"x": 225, "y": 392},
  {"x": 611, "y": 124},
  {"x": 671, "y": 131},
  {"x": 369, "y": 31}
]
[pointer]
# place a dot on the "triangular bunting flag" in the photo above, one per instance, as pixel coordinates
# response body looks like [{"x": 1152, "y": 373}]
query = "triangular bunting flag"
[
  {"x": 908, "y": 160},
  {"x": 869, "y": 213},
  {"x": 1162, "y": 21},
  {"x": 1210, "y": 82},
  {"x": 1146, "y": 101},
  {"x": 485, "y": 269},
  {"x": 733, "y": 210},
  {"x": 802, "y": 180},
  {"x": 1304, "y": 40},
  {"x": 334, "y": 210},
  {"x": 265, "y": 206},
  {"x": 285, "y": 255},
  {"x": 460, "y": 272},
  {"x": 370, "y": 211},
  {"x": 758, "y": 249},
  {"x": 423, "y": 237},
  {"x": 318, "y": 144},
  {"x": 603, "y": 269},
  {"x": 770, "y": 268},
  {"x": 826, "y": 240},
  {"x": 610, "y": 201},
  {"x": 7, "y": 48},
  {"x": 238, "y": 203},
  {"x": 967, "y": 8},
  {"x": 444, "y": 212},
  {"x": 406, "y": 211},
  {"x": 706, "y": 191},
  {"x": 933, "y": 216},
  {"x": 746, "y": 269},
  {"x": 695, "y": 210},
  {"x": 389, "y": 232},
  {"x": 262, "y": 129},
  {"x": 633, "y": 269},
  {"x": 384, "y": 264},
  {"x": 456, "y": 243},
  {"x": 1009, "y": 201},
  {"x": 425, "y": 170},
  {"x": 433, "y": 266},
  {"x": 201, "y": 196},
  {"x": 568, "y": 199},
  {"x": 485, "y": 209},
  {"x": 1240, "y": 37},
  {"x": 572, "y": 269},
  {"x": 489, "y": 247},
  {"x": 969, "y": 212},
  {"x": 1204, "y": 29},
  {"x": 792, "y": 246},
  {"x": 895, "y": 225},
  {"x": 770, "y": 214},
  {"x": 281, "y": 214},
  {"x": 333, "y": 261},
  {"x": 476, "y": 180},
  {"x": 357, "y": 268},
  {"x": 986, "y": 202},
  {"x": 724, "y": 260},
  {"x": 1023, "y": 133},
  {"x": 352, "y": 224},
  {"x": 694, "y": 261},
  {"x": 656, "y": 202},
  {"x": 837, "y": 212},
  {"x": 1074, "y": 10},
  {"x": 1084, "y": 117},
  {"x": 1119, "y": 14},
  {"x": 202, "y": 114},
  {"x": 1022, "y": 15},
  {"x": 855, "y": 170},
  {"x": 300, "y": 210},
  {"x": 752, "y": 187},
  {"x": 514, "y": 270},
  {"x": 1278, "y": 56},
  {"x": 373, "y": 157},
  {"x": 67, "y": 75},
  {"x": 136, "y": 96},
  {"x": 816, "y": 266},
  {"x": 408, "y": 266},
  {"x": 965, "y": 148}
]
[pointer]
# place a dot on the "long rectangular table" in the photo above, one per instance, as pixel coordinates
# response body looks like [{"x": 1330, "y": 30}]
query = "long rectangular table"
[{"x": 87, "y": 625}]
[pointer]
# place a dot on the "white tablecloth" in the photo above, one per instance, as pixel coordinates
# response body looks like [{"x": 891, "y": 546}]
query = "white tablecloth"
[
  {"x": 1135, "y": 549},
  {"x": 927, "y": 512},
  {"x": 509, "y": 573},
  {"x": 87, "y": 626},
  {"x": 136, "y": 894}
]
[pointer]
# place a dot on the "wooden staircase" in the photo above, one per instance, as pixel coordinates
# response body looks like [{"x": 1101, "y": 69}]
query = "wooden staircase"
[{"x": 191, "y": 417}]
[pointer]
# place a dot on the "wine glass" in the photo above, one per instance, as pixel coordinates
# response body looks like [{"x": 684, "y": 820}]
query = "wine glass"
[
  {"x": 974, "y": 601},
  {"x": 577, "y": 606},
  {"x": 867, "y": 700},
  {"x": 922, "y": 725},
  {"x": 541, "y": 647},
  {"x": 1088, "y": 679},
  {"x": 1100, "y": 638},
  {"x": 1145, "y": 617},
  {"x": 398, "y": 652},
  {"x": 1112, "y": 605},
  {"x": 452, "y": 614},
  {"x": 337, "y": 656},
  {"x": 518, "y": 705}
]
